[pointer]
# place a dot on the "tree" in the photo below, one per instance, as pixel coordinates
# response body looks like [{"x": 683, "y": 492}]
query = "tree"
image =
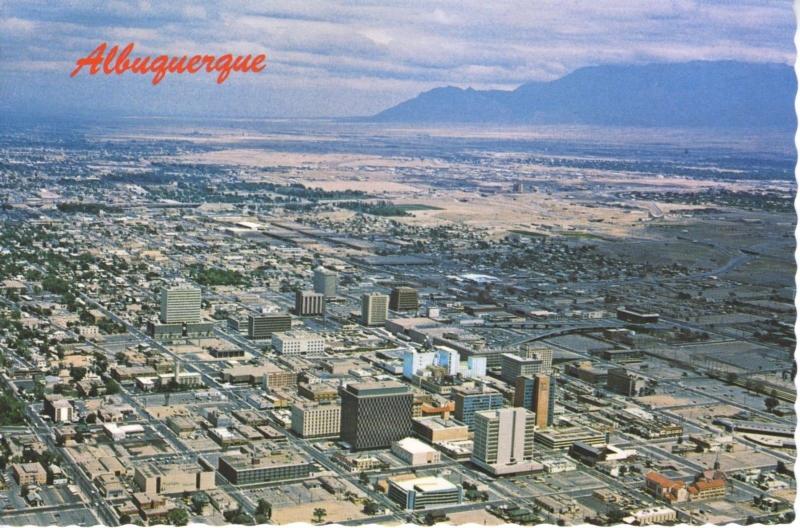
[
  {"x": 319, "y": 514},
  {"x": 242, "y": 518},
  {"x": 178, "y": 517},
  {"x": 363, "y": 478},
  {"x": 432, "y": 518},
  {"x": 264, "y": 509},
  {"x": 125, "y": 518},
  {"x": 372, "y": 508},
  {"x": 199, "y": 501},
  {"x": 771, "y": 402},
  {"x": 615, "y": 515},
  {"x": 77, "y": 373},
  {"x": 112, "y": 387},
  {"x": 12, "y": 411}
]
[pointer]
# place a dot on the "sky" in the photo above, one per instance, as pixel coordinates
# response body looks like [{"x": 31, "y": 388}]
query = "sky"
[{"x": 329, "y": 58}]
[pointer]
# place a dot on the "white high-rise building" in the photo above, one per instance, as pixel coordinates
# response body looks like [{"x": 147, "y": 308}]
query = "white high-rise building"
[
  {"x": 503, "y": 441},
  {"x": 180, "y": 304},
  {"x": 448, "y": 359},
  {"x": 415, "y": 362},
  {"x": 475, "y": 367}
]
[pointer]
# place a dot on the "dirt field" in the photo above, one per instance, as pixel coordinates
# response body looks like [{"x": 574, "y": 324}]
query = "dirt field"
[
  {"x": 337, "y": 511},
  {"x": 741, "y": 458},
  {"x": 714, "y": 411},
  {"x": 479, "y": 517}
]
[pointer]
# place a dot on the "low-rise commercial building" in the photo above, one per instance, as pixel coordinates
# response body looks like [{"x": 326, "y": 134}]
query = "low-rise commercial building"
[
  {"x": 416, "y": 453},
  {"x": 269, "y": 374},
  {"x": 158, "y": 479},
  {"x": 317, "y": 391},
  {"x": 637, "y": 315},
  {"x": 436, "y": 429},
  {"x": 261, "y": 467},
  {"x": 418, "y": 493},
  {"x": 586, "y": 372},
  {"x": 564, "y": 437},
  {"x": 298, "y": 342},
  {"x": 29, "y": 474},
  {"x": 656, "y": 515},
  {"x": 626, "y": 383}
]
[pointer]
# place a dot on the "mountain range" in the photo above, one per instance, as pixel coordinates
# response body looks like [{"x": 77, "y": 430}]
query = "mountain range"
[{"x": 692, "y": 94}]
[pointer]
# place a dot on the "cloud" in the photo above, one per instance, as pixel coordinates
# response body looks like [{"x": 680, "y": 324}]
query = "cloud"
[
  {"x": 398, "y": 47},
  {"x": 17, "y": 26}
]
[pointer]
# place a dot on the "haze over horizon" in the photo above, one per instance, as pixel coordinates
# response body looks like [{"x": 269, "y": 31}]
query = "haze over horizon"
[{"x": 332, "y": 59}]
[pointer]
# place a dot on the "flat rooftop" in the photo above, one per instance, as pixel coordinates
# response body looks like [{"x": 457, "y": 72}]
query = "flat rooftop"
[
  {"x": 377, "y": 387},
  {"x": 425, "y": 484},
  {"x": 412, "y": 445},
  {"x": 275, "y": 458}
]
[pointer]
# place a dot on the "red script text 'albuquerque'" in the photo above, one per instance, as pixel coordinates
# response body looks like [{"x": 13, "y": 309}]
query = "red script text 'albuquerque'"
[{"x": 118, "y": 62}]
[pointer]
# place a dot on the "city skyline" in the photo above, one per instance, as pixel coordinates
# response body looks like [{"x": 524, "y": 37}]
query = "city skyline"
[{"x": 452, "y": 263}]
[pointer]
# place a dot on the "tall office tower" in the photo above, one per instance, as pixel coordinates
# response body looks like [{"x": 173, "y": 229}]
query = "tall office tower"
[
  {"x": 309, "y": 303},
  {"x": 262, "y": 326},
  {"x": 375, "y": 414},
  {"x": 374, "y": 309},
  {"x": 503, "y": 440},
  {"x": 180, "y": 304},
  {"x": 325, "y": 282},
  {"x": 415, "y": 361},
  {"x": 543, "y": 353},
  {"x": 404, "y": 299},
  {"x": 472, "y": 400},
  {"x": 448, "y": 359},
  {"x": 537, "y": 393},
  {"x": 476, "y": 367},
  {"x": 514, "y": 366}
]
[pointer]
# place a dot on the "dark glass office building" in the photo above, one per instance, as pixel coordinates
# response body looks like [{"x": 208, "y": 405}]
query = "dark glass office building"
[{"x": 375, "y": 414}]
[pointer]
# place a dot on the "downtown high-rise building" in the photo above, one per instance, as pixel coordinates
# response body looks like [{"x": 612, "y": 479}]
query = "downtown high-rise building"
[
  {"x": 503, "y": 441},
  {"x": 543, "y": 353},
  {"x": 180, "y": 304},
  {"x": 375, "y": 414},
  {"x": 514, "y": 366},
  {"x": 415, "y": 362},
  {"x": 374, "y": 309},
  {"x": 263, "y": 325},
  {"x": 325, "y": 282},
  {"x": 470, "y": 401},
  {"x": 538, "y": 394},
  {"x": 309, "y": 303},
  {"x": 404, "y": 299}
]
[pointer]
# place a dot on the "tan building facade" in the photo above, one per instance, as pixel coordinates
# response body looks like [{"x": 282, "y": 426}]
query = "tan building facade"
[
  {"x": 314, "y": 420},
  {"x": 155, "y": 479}
]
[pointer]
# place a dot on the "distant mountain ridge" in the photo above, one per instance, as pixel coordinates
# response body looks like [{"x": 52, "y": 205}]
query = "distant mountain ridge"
[{"x": 692, "y": 94}]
